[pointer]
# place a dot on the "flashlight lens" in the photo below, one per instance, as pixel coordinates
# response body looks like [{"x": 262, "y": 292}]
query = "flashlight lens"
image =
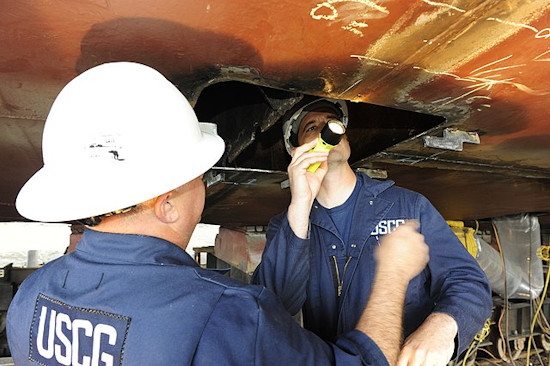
[
  {"x": 333, "y": 132},
  {"x": 336, "y": 127}
]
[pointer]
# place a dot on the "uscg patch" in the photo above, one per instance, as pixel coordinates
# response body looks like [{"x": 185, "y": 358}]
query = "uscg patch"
[
  {"x": 66, "y": 335},
  {"x": 387, "y": 226}
]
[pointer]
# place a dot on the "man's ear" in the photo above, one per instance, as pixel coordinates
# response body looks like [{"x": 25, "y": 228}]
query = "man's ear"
[{"x": 164, "y": 209}]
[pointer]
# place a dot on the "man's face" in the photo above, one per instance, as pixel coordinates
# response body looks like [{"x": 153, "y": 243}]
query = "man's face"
[{"x": 311, "y": 127}]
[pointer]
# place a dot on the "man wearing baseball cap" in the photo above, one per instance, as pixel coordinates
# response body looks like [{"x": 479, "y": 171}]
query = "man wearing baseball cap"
[
  {"x": 319, "y": 252},
  {"x": 124, "y": 153}
]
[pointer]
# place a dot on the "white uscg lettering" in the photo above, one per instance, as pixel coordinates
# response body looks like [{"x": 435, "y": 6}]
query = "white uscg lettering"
[
  {"x": 65, "y": 335},
  {"x": 387, "y": 226}
]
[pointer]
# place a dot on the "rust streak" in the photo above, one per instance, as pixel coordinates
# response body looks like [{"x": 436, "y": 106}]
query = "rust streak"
[
  {"x": 514, "y": 24},
  {"x": 491, "y": 63},
  {"x": 498, "y": 69},
  {"x": 386, "y": 63},
  {"x": 350, "y": 87},
  {"x": 444, "y": 5},
  {"x": 462, "y": 96},
  {"x": 539, "y": 59},
  {"x": 330, "y": 5}
]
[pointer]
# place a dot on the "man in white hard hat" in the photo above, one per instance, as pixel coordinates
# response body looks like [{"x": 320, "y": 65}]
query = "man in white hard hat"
[
  {"x": 319, "y": 253},
  {"x": 123, "y": 151}
]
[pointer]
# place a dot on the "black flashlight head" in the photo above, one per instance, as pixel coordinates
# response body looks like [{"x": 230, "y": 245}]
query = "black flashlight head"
[{"x": 332, "y": 132}]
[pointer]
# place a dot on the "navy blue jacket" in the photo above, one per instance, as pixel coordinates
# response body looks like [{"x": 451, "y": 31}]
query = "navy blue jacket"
[
  {"x": 138, "y": 300},
  {"x": 301, "y": 271}
]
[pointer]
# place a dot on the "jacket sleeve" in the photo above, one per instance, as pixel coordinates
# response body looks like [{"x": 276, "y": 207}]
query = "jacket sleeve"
[
  {"x": 459, "y": 286},
  {"x": 280, "y": 340},
  {"x": 284, "y": 268},
  {"x": 249, "y": 326}
]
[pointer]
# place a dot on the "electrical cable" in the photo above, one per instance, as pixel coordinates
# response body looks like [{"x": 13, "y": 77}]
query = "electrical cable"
[
  {"x": 537, "y": 352},
  {"x": 489, "y": 353},
  {"x": 489, "y": 361},
  {"x": 542, "y": 320},
  {"x": 468, "y": 353},
  {"x": 544, "y": 254},
  {"x": 479, "y": 337},
  {"x": 505, "y": 344},
  {"x": 531, "y": 302}
]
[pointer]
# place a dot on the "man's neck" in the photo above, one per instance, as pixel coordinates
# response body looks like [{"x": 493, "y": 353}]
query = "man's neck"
[
  {"x": 337, "y": 186},
  {"x": 144, "y": 223}
]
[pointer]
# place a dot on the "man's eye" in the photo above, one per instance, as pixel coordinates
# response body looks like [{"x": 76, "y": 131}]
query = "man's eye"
[{"x": 312, "y": 128}]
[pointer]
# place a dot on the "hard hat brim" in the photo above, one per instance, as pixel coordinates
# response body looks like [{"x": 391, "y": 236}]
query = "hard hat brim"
[{"x": 58, "y": 196}]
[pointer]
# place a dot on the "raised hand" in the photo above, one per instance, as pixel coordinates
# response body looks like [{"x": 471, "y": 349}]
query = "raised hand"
[{"x": 304, "y": 185}]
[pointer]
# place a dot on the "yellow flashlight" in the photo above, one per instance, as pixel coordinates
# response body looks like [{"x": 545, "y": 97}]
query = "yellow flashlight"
[{"x": 329, "y": 137}]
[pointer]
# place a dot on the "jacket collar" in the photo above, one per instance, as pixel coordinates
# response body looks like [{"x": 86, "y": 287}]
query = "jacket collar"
[
  {"x": 368, "y": 212},
  {"x": 131, "y": 248},
  {"x": 370, "y": 189},
  {"x": 372, "y": 186}
]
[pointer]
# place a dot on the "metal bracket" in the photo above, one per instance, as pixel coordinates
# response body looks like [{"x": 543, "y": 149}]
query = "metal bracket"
[
  {"x": 285, "y": 184},
  {"x": 374, "y": 173},
  {"x": 452, "y": 139},
  {"x": 211, "y": 178}
]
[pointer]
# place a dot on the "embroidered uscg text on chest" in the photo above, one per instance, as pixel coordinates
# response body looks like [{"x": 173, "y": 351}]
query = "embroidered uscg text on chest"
[
  {"x": 61, "y": 334},
  {"x": 387, "y": 226}
]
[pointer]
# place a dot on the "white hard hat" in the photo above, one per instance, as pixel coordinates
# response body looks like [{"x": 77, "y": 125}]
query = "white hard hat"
[
  {"x": 117, "y": 135},
  {"x": 293, "y": 118}
]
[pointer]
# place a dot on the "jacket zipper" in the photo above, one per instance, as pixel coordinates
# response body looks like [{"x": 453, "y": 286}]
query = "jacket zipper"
[{"x": 340, "y": 282}]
